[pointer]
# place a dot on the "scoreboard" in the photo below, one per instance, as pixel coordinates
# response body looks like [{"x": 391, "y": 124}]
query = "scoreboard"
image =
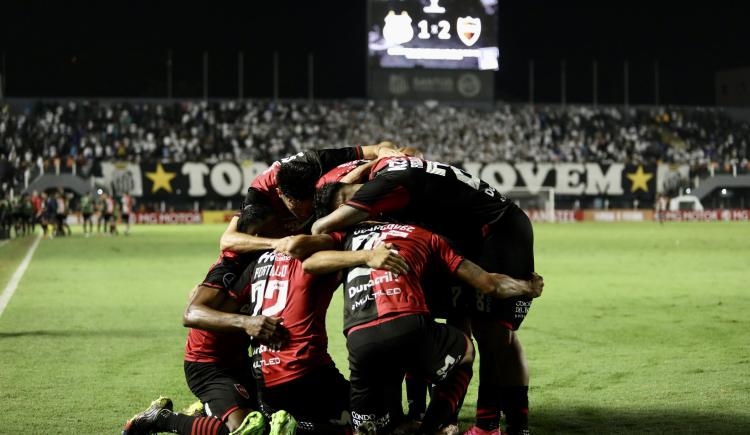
[{"x": 433, "y": 34}]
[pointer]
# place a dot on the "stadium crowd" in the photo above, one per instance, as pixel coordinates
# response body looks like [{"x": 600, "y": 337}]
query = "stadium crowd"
[{"x": 88, "y": 131}]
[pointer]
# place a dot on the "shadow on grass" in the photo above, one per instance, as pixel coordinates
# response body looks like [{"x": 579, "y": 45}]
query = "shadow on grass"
[
  {"x": 114, "y": 333},
  {"x": 654, "y": 421}
]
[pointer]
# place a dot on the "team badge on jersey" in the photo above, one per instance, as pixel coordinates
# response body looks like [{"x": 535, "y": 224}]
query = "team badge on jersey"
[
  {"x": 468, "y": 29},
  {"x": 228, "y": 279},
  {"x": 242, "y": 391}
]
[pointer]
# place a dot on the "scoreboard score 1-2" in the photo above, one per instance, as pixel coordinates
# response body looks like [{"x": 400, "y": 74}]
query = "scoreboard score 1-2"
[{"x": 443, "y": 34}]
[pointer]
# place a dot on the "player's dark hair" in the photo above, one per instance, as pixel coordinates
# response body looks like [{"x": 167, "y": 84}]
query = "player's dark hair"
[
  {"x": 324, "y": 198},
  {"x": 253, "y": 213},
  {"x": 297, "y": 179}
]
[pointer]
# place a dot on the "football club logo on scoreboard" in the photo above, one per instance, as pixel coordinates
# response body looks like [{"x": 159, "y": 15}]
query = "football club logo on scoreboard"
[
  {"x": 397, "y": 28},
  {"x": 468, "y": 29}
]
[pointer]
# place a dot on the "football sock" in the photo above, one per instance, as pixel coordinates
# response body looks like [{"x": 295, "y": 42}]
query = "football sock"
[
  {"x": 416, "y": 396},
  {"x": 514, "y": 400},
  {"x": 447, "y": 397},
  {"x": 189, "y": 425},
  {"x": 488, "y": 407}
]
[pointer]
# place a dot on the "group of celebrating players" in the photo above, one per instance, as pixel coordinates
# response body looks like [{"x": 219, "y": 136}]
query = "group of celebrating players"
[
  {"x": 411, "y": 240},
  {"x": 51, "y": 212}
]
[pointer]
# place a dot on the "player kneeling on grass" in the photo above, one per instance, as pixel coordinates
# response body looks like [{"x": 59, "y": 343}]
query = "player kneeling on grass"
[
  {"x": 271, "y": 282},
  {"x": 489, "y": 229},
  {"x": 389, "y": 330},
  {"x": 287, "y": 376},
  {"x": 217, "y": 364}
]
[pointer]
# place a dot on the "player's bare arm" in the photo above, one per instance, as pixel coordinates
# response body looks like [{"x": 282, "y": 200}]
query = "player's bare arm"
[
  {"x": 379, "y": 150},
  {"x": 239, "y": 242},
  {"x": 301, "y": 246},
  {"x": 498, "y": 285},
  {"x": 208, "y": 309},
  {"x": 359, "y": 174},
  {"x": 382, "y": 257},
  {"x": 343, "y": 217}
]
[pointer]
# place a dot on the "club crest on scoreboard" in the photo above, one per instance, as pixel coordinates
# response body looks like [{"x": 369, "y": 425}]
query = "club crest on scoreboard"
[
  {"x": 397, "y": 28},
  {"x": 468, "y": 29}
]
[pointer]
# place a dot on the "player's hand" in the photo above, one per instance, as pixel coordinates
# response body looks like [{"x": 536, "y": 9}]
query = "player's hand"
[
  {"x": 387, "y": 149},
  {"x": 267, "y": 330},
  {"x": 294, "y": 246},
  {"x": 385, "y": 258},
  {"x": 536, "y": 285},
  {"x": 410, "y": 151}
]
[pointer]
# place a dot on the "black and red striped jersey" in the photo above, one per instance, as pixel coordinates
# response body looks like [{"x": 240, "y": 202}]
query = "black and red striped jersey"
[
  {"x": 226, "y": 275},
  {"x": 280, "y": 287},
  {"x": 436, "y": 196},
  {"x": 263, "y": 189},
  {"x": 337, "y": 173},
  {"x": 269, "y": 284},
  {"x": 373, "y": 296}
]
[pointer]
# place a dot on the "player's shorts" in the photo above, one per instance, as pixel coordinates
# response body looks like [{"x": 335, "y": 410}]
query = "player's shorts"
[
  {"x": 126, "y": 217},
  {"x": 107, "y": 217},
  {"x": 447, "y": 297},
  {"x": 508, "y": 248},
  {"x": 318, "y": 400},
  {"x": 222, "y": 389},
  {"x": 86, "y": 217},
  {"x": 380, "y": 355}
]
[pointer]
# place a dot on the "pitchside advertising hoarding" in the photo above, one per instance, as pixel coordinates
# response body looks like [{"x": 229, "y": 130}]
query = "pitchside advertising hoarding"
[
  {"x": 432, "y": 49},
  {"x": 229, "y": 180}
]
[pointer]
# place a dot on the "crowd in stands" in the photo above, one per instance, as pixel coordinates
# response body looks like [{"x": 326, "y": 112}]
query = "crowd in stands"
[{"x": 84, "y": 132}]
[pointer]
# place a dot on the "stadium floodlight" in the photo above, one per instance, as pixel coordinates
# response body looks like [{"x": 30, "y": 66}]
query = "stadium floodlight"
[{"x": 541, "y": 201}]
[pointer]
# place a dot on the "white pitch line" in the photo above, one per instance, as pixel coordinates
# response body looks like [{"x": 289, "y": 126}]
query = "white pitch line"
[
  {"x": 3, "y": 243},
  {"x": 16, "y": 278}
]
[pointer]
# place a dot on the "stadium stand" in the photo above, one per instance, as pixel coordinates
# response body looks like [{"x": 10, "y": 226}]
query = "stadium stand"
[{"x": 264, "y": 130}]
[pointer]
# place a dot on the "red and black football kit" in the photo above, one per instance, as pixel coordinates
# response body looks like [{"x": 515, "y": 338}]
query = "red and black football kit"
[
  {"x": 339, "y": 172},
  {"x": 484, "y": 225},
  {"x": 280, "y": 287},
  {"x": 389, "y": 330},
  {"x": 217, "y": 364},
  {"x": 262, "y": 191}
]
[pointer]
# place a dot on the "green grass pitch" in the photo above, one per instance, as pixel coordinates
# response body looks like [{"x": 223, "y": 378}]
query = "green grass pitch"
[{"x": 642, "y": 328}]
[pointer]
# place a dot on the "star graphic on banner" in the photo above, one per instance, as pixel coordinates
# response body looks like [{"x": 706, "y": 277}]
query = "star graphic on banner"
[
  {"x": 639, "y": 179},
  {"x": 161, "y": 179}
]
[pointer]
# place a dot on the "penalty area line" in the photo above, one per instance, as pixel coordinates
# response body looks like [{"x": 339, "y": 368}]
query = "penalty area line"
[{"x": 16, "y": 278}]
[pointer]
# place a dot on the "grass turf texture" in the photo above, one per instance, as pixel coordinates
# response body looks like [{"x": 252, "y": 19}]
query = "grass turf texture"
[{"x": 642, "y": 329}]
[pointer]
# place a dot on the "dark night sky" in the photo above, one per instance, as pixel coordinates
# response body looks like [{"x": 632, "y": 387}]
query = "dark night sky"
[{"x": 118, "y": 48}]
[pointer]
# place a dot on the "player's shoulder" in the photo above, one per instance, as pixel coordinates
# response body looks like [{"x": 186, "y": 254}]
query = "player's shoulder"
[{"x": 397, "y": 165}]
